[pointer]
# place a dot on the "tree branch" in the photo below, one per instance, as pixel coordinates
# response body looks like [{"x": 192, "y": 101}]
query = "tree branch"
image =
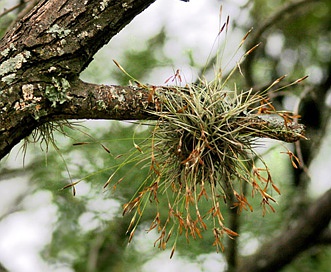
[
  {"x": 76, "y": 99},
  {"x": 43, "y": 55},
  {"x": 281, "y": 250},
  {"x": 71, "y": 31},
  {"x": 325, "y": 238}
]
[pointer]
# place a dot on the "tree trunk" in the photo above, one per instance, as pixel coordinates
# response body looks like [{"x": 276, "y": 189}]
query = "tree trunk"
[{"x": 41, "y": 59}]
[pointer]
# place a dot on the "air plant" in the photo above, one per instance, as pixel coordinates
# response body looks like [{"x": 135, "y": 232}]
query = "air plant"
[{"x": 201, "y": 150}]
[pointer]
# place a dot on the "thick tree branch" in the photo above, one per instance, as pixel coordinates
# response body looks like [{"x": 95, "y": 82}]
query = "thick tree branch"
[
  {"x": 76, "y": 99},
  {"x": 281, "y": 250},
  {"x": 43, "y": 55},
  {"x": 69, "y": 30}
]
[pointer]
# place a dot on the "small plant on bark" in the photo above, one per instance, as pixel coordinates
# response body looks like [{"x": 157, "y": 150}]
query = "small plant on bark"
[{"x": 201, "y": 150}]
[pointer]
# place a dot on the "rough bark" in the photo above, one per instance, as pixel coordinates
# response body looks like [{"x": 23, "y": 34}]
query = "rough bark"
[{"x": 43, "y": 54}]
